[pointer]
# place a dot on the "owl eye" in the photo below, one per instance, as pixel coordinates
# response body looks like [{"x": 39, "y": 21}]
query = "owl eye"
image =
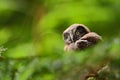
[
  {"x": 66, "y": 35},
  {"x": 77, "y": 33}
]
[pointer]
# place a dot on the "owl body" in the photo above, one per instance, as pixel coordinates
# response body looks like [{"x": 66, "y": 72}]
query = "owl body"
[
  {"x": 70, "y": 47},
  {"x": 79, "y": 37}
]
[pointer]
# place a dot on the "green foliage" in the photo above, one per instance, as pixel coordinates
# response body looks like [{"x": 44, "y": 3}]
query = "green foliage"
[
  {"x": 91, "y": 78},
  {"x": 31, "y": 36}
]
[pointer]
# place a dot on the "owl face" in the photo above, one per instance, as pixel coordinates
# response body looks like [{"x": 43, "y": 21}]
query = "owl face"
[{"x": 74, "y": 32}]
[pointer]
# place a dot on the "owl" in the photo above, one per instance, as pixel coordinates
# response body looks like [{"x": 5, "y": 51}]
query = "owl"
[{"x": 79, "y": 37}]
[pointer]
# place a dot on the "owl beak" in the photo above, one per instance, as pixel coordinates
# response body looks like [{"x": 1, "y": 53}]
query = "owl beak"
[{"x": 71, "y": 38}]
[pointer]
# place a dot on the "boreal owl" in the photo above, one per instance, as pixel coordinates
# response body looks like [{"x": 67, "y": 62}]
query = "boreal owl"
[{"x": 79, "y": 37}]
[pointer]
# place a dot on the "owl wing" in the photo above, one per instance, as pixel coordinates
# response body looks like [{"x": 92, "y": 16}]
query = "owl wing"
[
  {"x": 88, "y": 40},
  {"x": 92, "y": 37}
]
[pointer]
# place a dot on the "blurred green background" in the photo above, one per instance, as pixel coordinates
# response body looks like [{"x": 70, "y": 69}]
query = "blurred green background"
[{"x": 31, "y": 45}]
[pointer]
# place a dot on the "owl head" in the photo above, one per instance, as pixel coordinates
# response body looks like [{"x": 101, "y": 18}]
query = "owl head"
[{"x": 74, "y": 32}]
